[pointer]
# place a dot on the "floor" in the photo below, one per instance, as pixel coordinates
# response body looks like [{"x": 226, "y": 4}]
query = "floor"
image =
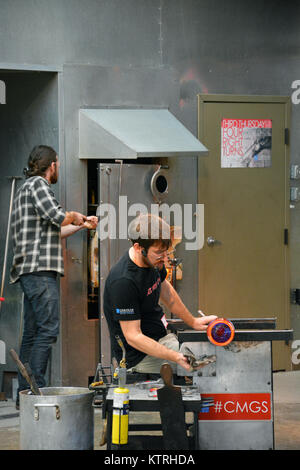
[{"x": 286, "y": 386}]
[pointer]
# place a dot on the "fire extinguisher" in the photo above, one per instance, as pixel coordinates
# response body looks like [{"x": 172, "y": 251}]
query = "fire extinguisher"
[{"x": 120, "y": 419}]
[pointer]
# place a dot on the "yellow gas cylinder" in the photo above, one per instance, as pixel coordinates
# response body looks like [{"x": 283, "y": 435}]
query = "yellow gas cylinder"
[{"x": 120, "y": 416}]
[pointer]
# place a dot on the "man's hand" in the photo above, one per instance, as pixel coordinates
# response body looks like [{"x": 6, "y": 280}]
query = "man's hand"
[
  {"x": 78, "y": 219},
  {"x": 91, "y": 222},
  {"x": 183, "y": 362},
  {"x": 201, "y": 323}
]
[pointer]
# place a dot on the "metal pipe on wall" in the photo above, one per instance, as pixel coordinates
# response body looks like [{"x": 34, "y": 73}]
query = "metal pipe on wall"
[{"x": 12, "y": 193}]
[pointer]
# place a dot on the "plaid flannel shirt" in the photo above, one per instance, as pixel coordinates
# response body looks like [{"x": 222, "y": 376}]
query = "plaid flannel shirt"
[{"x": 35, "y": 226}]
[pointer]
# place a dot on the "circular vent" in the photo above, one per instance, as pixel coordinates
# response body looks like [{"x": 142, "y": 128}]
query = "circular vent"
[{"x": 159, "y": 184}]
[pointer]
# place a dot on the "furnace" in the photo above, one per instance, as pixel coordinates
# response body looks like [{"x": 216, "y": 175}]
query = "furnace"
[{"x": 136, "y": 155}]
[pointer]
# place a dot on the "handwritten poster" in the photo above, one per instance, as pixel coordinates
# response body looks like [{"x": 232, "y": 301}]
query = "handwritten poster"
[{"x": 246, "y": 143}]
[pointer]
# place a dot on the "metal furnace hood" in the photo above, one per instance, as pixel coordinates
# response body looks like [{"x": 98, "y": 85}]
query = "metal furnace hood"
[{"x": 133, "y": 133}]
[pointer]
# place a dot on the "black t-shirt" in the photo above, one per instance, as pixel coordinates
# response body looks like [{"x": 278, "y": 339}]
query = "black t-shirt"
[{"x": 132, "y": 293}]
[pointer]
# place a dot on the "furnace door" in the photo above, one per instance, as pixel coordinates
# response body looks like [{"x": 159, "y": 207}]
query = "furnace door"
[
  {"x": 244, "y": 186},
  {"x": 124, "y": 191}
]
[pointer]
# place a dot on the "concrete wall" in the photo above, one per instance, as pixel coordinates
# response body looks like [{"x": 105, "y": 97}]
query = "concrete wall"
[{"x": 145, "y": 53}]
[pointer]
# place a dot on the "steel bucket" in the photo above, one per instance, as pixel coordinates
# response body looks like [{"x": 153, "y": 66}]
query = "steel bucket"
[{"x": 60, "y": 419}]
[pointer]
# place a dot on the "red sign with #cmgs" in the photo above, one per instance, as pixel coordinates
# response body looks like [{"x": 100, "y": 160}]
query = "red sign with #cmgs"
[{"x": 237, "y": 407}]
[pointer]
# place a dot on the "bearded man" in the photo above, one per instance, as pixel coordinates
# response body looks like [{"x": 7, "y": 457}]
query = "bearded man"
[{"x": 38, "y": 225}]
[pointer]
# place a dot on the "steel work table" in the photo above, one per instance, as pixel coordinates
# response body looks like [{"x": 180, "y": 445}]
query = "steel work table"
[
  {"x": 139, "y": 400},
  {"x": 240, "y": 381}
]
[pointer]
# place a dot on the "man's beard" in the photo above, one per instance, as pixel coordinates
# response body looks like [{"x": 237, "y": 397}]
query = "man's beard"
[
  {"x": 54, "y": 178},
  {"x": 153, "y": 266}
]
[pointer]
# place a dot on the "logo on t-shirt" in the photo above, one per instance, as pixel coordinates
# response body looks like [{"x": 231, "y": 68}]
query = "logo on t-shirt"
[
  {"x": 154, "y": 287},
  {"x": 124, "y": 311}
]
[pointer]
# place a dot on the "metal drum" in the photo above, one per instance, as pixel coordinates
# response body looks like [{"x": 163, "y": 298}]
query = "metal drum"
[{"x": 62, "y": 418}]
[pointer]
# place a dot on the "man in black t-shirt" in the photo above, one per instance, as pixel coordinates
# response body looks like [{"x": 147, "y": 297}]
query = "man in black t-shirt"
[{"x": 133, "y": 289}]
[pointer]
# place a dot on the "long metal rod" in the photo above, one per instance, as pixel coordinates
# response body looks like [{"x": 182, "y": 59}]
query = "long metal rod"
[{"x": 13, "y": 184}]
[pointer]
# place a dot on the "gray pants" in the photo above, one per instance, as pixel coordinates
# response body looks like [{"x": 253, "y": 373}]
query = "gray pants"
[{"x": 152, "y": 365}]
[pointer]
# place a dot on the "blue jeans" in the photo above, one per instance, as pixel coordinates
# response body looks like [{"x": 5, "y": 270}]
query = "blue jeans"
[{"x": 41, "y": 324}]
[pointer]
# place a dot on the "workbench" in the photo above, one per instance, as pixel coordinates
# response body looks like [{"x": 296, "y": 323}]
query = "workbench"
[
  {"x": 239, "y": 380},
  {"x": 140, "y": 401}
]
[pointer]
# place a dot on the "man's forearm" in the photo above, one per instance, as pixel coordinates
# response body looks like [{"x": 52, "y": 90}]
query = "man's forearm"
[
  {"x": 90, "y": 223},
  {"x": 179, "y": 310},
  {"x": 68, "y": 219},
  {"x": 152, "y": 348},
  {"x": 74, "y": 218},
  {"x": 173, "y": 302},
  {"x": 135, "y": 338},
  {"x": 69, "y": 229}
]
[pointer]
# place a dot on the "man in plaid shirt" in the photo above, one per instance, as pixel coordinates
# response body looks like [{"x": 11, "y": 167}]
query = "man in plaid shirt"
[{"x": 38, "y": 224}]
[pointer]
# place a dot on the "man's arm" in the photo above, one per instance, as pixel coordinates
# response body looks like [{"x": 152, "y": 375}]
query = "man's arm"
[
  {"x": 135, "y": 338},
  {"x": 74, "y": 218},
  {"x": 173, "y": 302},
  {"x": 70, "y": 229},
  {"x": 67, "y": 230},
  {"x": 48, "y": 207}
]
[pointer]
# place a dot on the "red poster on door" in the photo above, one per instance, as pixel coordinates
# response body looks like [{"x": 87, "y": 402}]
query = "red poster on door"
[
  {"x": 237, "y": 407},
  {"x": 246, "y": 143}
]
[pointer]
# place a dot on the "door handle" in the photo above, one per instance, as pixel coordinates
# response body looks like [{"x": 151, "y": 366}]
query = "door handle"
[{"x": 211, "y": 241}]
